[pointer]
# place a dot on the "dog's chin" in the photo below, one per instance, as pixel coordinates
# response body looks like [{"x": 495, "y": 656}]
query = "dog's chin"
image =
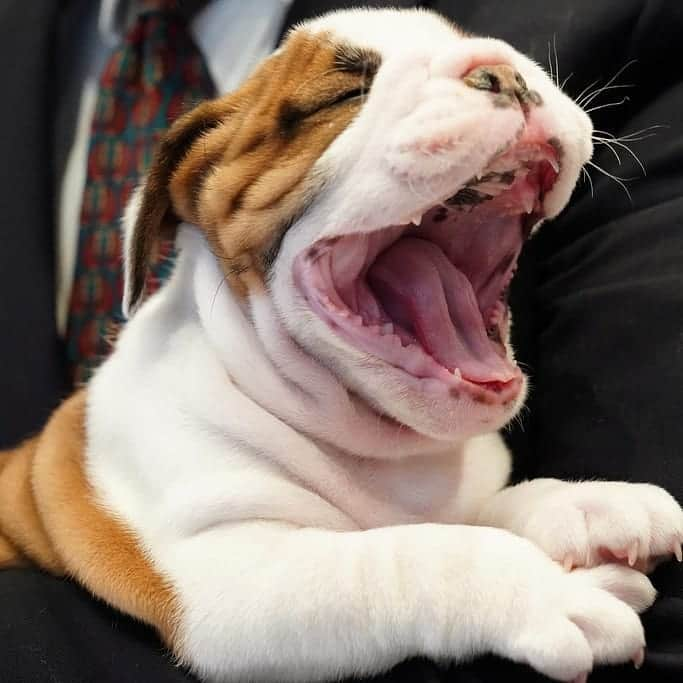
[
  {"x": 414, "y": 317},
  {"x": 427, "y": 407}
]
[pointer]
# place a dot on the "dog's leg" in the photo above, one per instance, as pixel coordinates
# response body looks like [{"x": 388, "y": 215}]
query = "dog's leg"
[
  {"x": 589, "y": 523},
  {"x": 22, "y": 537},
  {"x": 9, "y": 556},
  {"x": 269, "y": 602}
]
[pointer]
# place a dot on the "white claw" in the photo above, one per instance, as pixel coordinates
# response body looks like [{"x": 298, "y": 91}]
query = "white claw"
[{"x": 639, "y": 658}]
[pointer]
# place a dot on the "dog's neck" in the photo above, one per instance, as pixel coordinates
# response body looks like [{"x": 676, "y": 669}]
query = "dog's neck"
[{"x": 265, "y": 364}]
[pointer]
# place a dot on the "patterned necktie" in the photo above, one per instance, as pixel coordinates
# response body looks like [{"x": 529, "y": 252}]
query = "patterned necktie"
[{"x": 156, "y": 74}]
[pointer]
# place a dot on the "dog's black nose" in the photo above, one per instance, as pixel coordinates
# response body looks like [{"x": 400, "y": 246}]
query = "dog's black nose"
[{"x": 504, "y": 81}]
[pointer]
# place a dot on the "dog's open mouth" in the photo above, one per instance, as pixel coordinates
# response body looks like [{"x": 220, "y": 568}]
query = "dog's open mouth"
[{"x": 430, "y": 296}]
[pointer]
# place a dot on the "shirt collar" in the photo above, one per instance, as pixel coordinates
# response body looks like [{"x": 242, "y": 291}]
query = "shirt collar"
[{"x": 116, "y": 15}]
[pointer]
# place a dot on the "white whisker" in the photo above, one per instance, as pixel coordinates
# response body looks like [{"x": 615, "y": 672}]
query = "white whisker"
[
  {"x": 589, "y": 98},
  {"x": 638, "y": 138},
  {"x": 616, "y": 179},
  {"x": 566, "y": 80},
  {"x": 577, "y": 99},
  {"x": 604, "y": 141},
  {"x": 607, "y": 85},
  {"x": 557, "y": 66},
  {"x": 632, "y": 153},
  {"x": 636, "y": 135},
  {"x": 590, "y": 180},
  {"x": 605, "y": 106}
]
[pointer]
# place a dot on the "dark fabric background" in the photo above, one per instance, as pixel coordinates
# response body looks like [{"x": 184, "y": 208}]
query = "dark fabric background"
[{"x": 598, "y": 317}]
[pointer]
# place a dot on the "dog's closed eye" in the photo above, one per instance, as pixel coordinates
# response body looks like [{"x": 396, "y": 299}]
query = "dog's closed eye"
[{"x": 293, "y": 113}]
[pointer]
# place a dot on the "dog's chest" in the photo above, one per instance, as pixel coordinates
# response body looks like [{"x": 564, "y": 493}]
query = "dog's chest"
[{"x": 410, "y": 490}]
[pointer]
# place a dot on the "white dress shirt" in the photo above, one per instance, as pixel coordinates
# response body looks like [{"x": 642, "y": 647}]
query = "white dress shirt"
[{"x": 233, "y": 36}]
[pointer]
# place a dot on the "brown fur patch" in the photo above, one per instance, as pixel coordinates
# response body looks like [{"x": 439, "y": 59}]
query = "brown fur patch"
[
  {"x": 9, "y": 555},
  {"x": 240, "y": 166},
  {"x": 52, "y": 516},
  {"x": 20, "y": 522}
]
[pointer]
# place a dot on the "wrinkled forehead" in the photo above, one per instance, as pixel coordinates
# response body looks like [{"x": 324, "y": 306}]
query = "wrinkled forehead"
[{"x": 388, "y": 32}]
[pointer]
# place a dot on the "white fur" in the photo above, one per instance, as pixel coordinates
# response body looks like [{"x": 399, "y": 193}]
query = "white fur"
[
  {"x": 305, "y": 537},
  {"x": 417, "y": 96},
  {"x": 573, "y": 522}
]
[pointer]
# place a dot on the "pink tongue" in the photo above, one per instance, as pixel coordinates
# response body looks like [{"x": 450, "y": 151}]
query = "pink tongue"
[{"x": 421, "y": 290}]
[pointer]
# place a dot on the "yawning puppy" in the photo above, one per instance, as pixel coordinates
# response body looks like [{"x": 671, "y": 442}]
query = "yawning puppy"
[{"x": 289, "y": 465}]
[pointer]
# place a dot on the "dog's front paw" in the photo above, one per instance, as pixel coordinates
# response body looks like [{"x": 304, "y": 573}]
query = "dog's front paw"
[
  {"x": 589, "y": 523},
  {"x": 582, "y": 619}
]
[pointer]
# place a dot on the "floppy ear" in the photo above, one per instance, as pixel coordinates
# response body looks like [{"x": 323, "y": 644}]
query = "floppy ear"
[{"x": 150, "y": 214}]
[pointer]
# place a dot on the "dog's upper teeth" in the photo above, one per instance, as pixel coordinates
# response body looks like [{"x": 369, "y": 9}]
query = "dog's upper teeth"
[
  {"x": 554, "y": 164},
  {"x": 416, "y": 220}
]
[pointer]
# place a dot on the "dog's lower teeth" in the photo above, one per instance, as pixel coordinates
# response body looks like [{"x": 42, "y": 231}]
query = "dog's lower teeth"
[{"x": 387, "y": 328}]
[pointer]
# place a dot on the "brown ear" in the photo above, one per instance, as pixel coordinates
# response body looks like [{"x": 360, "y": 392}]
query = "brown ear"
[{"x": 150, "y": 214}]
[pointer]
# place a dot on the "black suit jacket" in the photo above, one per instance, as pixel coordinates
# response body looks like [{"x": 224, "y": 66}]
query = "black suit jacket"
[
  {"x": 598, "y": 304},
  {"x": 31, "y": 378}
]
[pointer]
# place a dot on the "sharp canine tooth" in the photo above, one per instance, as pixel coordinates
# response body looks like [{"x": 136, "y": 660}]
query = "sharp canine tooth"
[
  {"x": 554, "y": 164},
  {"x": 416, "y": 220}
]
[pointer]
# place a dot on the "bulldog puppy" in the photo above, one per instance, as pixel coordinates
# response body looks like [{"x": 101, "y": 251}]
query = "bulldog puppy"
[{"x": 289, "y": 465}]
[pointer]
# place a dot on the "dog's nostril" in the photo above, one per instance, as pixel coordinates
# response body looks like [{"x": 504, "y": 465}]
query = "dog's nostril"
[
  {"x": 492, "y": 83},
  {"x": 497, "y": 78}
]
